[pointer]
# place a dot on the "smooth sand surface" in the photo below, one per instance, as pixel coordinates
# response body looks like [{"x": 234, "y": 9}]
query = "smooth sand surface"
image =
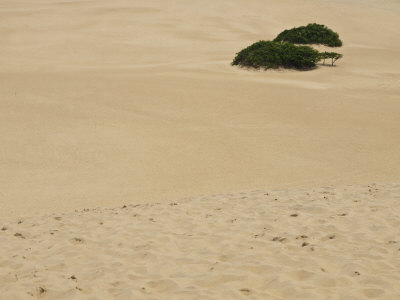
[
  {"x": 323, "y": 243},
  {"x": 104, "y": 102}
]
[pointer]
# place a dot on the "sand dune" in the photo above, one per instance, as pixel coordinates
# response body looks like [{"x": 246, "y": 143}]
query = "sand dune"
[
  {"x": 127, "y": 102},
  {"x": 323, "y": 243},
  {"x": 103, "y": 102}
]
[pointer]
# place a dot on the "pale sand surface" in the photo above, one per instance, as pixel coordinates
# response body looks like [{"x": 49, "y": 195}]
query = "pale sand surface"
[
  {"x": 103, "y": 102},
  {"x": 324, "y": 243},
  {"x": 107, "y": 103}
]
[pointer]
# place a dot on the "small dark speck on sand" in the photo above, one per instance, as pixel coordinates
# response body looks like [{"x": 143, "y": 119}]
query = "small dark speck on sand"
[
  {"x": 245, "y": 291},
  {"x": 278, "y": 239},
  {"x": 77, "y": 240},
  {"x": 294, "y": 215}
]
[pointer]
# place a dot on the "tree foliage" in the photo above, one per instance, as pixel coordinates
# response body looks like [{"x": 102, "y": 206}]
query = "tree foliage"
[
  {"x": 310, "y": 34},
  {"x": 267, "y": 55},
  {"x": 330, "y": 55}
]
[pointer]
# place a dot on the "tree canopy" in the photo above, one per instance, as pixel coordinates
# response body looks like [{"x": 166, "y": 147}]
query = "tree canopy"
[
  {"x": 330, "y": 55},
  {"x": 267, "y": 55},
  {"x": 310, "y": 34}
]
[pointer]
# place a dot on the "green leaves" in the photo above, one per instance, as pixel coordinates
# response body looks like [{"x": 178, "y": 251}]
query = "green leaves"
[
  {"x": 310, "y": 34},
  {"x": 282, "y": 52},
  {"x": 330, "y": 55},
  {"x": 272, "y": 55},
  {"x": 267, "y": 55}
]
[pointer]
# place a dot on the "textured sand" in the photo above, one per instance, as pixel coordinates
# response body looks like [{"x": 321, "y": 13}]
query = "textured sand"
[
  {"x": 323, "y": 243},
  {"x": 103, "y": 102},
  {"x": 109, "y": 103}
]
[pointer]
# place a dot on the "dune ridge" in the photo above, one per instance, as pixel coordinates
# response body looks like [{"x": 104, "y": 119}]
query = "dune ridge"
[{"x": 338, "y": 242}]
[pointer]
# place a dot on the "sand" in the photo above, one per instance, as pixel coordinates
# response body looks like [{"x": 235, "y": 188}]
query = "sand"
[
  {"x": 103, "y": 102},
  {"x": 324, "y": 243},
  {"x": 112, "y": 103}
]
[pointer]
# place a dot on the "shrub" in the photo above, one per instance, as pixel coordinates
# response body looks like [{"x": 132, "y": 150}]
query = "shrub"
[
  {"x": 332, "y": 55},
  {"x": 310, "y": 34},
  {"x": 267, "y": 54}
]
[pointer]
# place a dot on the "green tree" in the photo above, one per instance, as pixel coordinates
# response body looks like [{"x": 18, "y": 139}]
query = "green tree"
[
  {"x": 267, "y": 54},
  {"x": 310, "y": 34},
  {"x": 330, "y": 55}
]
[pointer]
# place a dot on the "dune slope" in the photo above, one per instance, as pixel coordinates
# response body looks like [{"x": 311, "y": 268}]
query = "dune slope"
[{"x": 103, "y": 102}]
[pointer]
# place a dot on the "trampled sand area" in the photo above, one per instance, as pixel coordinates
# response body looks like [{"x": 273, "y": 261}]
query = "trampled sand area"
[
  {"x": 112, "y": 103},
  {"x": 322, "y": 243}
]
